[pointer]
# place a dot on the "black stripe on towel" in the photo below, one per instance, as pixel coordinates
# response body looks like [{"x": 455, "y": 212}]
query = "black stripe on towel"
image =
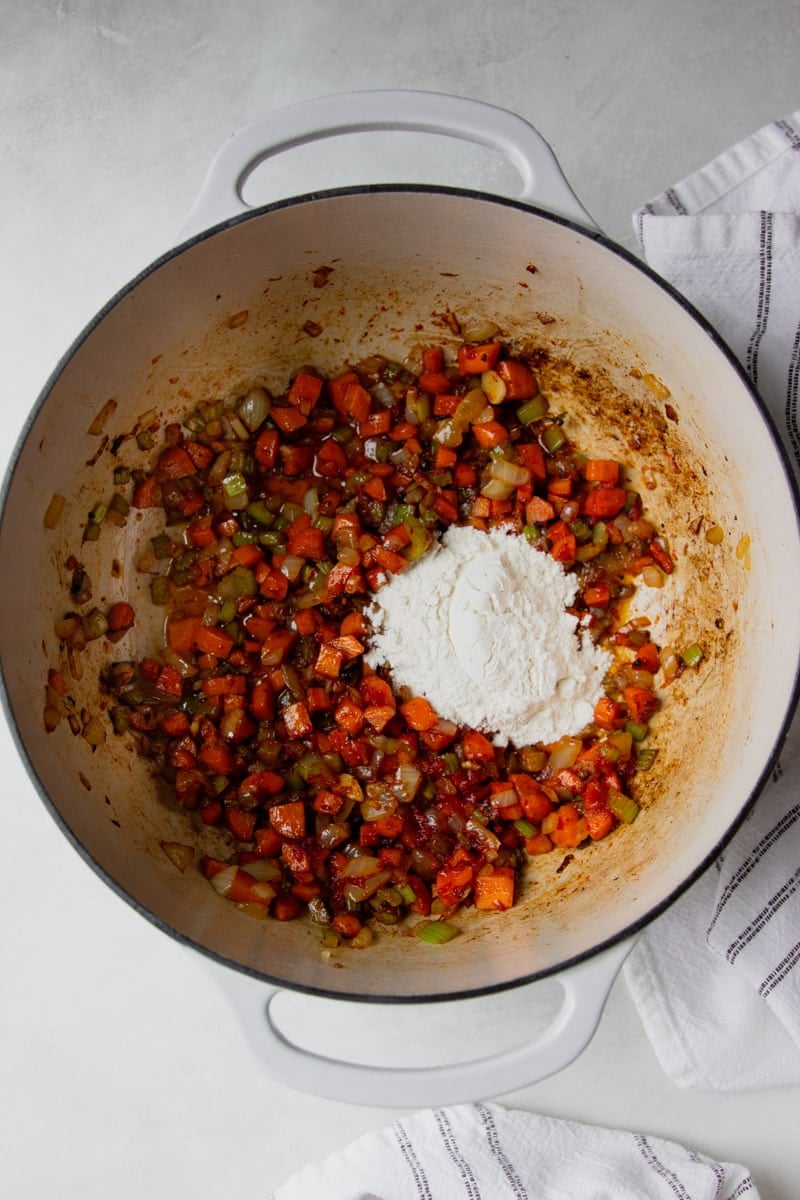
[
  {"x": 760, "y": 922},
  {"x": 744, "y": 1187},
  {"x": 764, "y": 294},
  {"x": 743, "y": 870},
  {"x": 415, "y": 1167},
  {"x": 676, "y": 201},
  {"x": 464, "y": 1169},
  {"x": 792, "y": 386},
  {"x": 790, "y": 133},
  {"x": 669, "y": 1177},
  {"x": 779, "y": 973},
  {"x": 493, "y": 1138}
]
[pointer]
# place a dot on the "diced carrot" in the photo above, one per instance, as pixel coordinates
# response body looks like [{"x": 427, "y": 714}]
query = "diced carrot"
[
  {"x": 277, "y": 646},
  {"x": 317, "y": 699},
  {"x": 268, "y": 841},
  {"x": 597, "y": 595},
  {"x": 519, "y": 379},
  {"x": 242, "y": 824},
  {"x": 376, "y": 691},
  {"x": 265, "y": 451},
  {"x": 349, "y": 715},
  {"x": 538, "y": 844},
  {"x": 353, "y": 624},
  {"x": 432, "y": 358},
  {"x": 174, "y": 463},
  {"x": 465, "y": 475},
  {"x": 247, "y": 555},
  {"x": 307, "y": 543},
  {"x": 353, "y": 401},
  {"x": 604, "y": 502},
  {"x": 477, "y": 746},
  {"x": 490, "y": 434},
  {"x": 331, "y": 460},
  {"x": 403, "y": 431},
  {"x": 445, "y": 404},
  {"x": 347, "y": 924},
  {"x": 288, "y": 419},
  {"x": 297, "y": 721},
  {"x": 600, "y": 822},
  {"x": 535, "y": 804},
  {"x": 271, "y": 582},
  {"x": 641, "y": 702},
  {"x": 445, "y": 457},
  {"x": 262, "y": 701},
  {"x": 210, "y": 640},
  {"x": 608, "y": 714},
  {"x": 434, "y": 382},
  {"x": 495, "y": 892},
  {"x": 439, "y": 735},
  {"x": 539, "y": 511},
  {"x": 647, "y": 656},
  {"x": 474, "y": 360},
  {"x": 224, "y": 685},
  {"x": 147, "y": 493},
  {"x": 218, "y": 757},
  {"x": 531, "y": 455},
  {"x": 418, "y": 714},
  {"x": 601, "y": 470},
  {"x": 174, "y": 724},
  {"x": 338, "y": 387},
  {"x": 379, "y": 715},
  {"x": 289, "y": 819},
  {"x": 200, "y": 533},
  {"x": 375, "y": 488},
  {"x": 120, "y": 616},
  {"x": 285, "y": 907},
  {"x": 564, "y": 548},
  {"x": 306, "y": 621},
  {"x": 376, "y": 424},
  {"x": 169, "y": 682},
  {"x": 305, "y": 391}
]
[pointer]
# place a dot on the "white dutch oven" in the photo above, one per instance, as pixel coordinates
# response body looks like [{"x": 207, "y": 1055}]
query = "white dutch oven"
[{"x": 400, "y": 258}]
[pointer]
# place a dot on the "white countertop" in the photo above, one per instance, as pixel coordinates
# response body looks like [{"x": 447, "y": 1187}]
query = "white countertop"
[{"x": 124, "y": 1071}]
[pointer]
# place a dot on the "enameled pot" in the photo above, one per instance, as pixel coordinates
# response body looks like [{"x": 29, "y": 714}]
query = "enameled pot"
[{"x": 239, "y": 301}]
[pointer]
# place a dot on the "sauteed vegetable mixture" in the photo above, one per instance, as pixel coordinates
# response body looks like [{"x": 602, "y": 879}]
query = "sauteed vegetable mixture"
[{"x": 342, "y": 794}]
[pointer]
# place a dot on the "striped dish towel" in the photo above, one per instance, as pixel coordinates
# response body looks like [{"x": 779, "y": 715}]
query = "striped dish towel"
[
  {"x": 484, "y": 1152},
  {"x": 717, "y": 978}
]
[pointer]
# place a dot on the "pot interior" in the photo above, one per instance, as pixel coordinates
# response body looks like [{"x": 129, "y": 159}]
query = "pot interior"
[{"x": 243, "y": 305}]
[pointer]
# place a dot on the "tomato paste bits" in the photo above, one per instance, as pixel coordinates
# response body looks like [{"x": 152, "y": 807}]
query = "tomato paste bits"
[{"x": 398, "y": 661}]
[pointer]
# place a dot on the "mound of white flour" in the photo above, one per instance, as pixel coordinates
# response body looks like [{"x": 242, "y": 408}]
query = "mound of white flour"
[{"x": 479, "y": 627}]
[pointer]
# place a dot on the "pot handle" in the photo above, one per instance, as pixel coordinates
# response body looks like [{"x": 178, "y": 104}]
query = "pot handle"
[
  {"x": 586, "y": 987},
  {"x": 543, "y": 181}
]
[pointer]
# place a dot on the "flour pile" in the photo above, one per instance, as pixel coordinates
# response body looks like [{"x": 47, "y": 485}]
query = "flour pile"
[{"x": 479, "y": 627}]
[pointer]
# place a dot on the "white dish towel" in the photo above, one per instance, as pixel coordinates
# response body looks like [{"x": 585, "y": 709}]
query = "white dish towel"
[
  {"x": 484, "y": 1152},
  {"x": 717, "y": 978}
]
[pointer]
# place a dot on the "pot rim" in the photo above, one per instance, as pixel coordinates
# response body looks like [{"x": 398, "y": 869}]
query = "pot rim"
[{"x": 635, "y": 927}]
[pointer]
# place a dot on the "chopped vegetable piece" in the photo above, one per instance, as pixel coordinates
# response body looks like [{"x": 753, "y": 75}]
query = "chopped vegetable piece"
[{"x": 435, "y": 933}]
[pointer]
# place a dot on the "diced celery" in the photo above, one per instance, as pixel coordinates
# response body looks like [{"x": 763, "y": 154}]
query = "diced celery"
[
  {"x": 524, "y": 828},
  {"x": 645, "y": 759},
  {"x": 554, "y": 438},
  {"x": 693, "y": 655},
  {"x": 436, "y": 933},
  {"x": 533, "y": 409},
  {"x": 637, "y": 730},
  {"x": 623, "y": 807}
]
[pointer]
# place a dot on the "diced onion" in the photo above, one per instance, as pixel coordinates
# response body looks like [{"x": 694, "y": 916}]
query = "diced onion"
[
  {"x": 408, "y": 780},
  {"x": 374, "y": 808},
  {"x": 222, "y": 882},
  {"x": 509, "y": 472},
  {"x": 564, "y": 753},
  {"x": 362, "y": 865}
]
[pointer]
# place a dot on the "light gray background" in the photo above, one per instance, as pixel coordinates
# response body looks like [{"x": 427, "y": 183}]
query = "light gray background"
[{"x": 123, "y": 1070}]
